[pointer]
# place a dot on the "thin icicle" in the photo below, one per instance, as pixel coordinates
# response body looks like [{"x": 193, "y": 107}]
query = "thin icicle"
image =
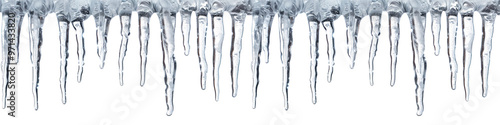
[
  {"x": 488, "y": 26},
  {"x": 375, "y": 12},
  {"x": 468, "y": 38},
  {"x": 417, "y": 22},
  {"x": 328, "y": 26},
  {"x": 63, "y": 40},
  {"x": 35, "y": 35},
  {"x": 202, "y": 34},
  {"x": 238, "y": 21},
  {"x": 78, "y": 26},
  {"x": 102, "y": 23},
  {"x": 169, "y": 65},
  {"x": 256, "y": 51},
  {"x": 314, "y": 41},
  {"x": 438, "y": 6},
  {"x": 266, "y": 31},
  {"x": 452, "y": 17},
  {"x": 286, "y": 38},
  {"x": 218, "y": 38},
  {"x": 144, "y": 12},
  {"x": 394, "y": 10},
  {"x": 352, "y": 23},
  {"x": 125, "y": 32}
]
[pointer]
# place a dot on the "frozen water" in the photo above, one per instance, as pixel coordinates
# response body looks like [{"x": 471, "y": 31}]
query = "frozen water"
[
  {"x": 103, "y": 11},
  {"x": 124, "y": 11}
]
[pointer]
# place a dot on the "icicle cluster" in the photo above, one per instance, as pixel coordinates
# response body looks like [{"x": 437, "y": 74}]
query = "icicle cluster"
[{"x": 320, "y": 13}]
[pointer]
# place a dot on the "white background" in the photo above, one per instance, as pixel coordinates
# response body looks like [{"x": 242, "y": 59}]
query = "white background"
[{"x": 348, "y": 99}]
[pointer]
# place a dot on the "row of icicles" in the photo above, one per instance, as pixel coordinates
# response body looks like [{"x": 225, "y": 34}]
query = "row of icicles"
[{"x": 318, "y": 12}]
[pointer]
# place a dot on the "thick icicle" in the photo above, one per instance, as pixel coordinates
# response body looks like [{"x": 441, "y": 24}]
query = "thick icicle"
[
  {"x": 144, "y": 10},
  {"x": 35, "y": 35},
  {"x": 125, "y": 32},
  {"x": 102, "y": 23},
  {"x": 488, "y": 25},
  {"x": 353, "y": 12},
  {"x": 417, "y": 20},
  {"x": 256, "y": 51},
  {"x": 217, "y": 12},
  {"x": 395, "y": 10},
  {"x": 238, "y": 21},
  {"x": 468, "y": 38},
  {"x": 63, "y": 40},
  {"x": 202, "y": 19},
  {"x": 452, "y": 17},
  {"x": 169, "y": 65},
  {"x": 375, "y": 12},
  {"x": 437, "y": 8},
  {"x": 268, "y": 12}
]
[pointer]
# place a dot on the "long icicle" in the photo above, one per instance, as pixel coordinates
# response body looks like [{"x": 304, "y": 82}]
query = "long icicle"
[
  {"x": 452, "y": 19},
  {"x": 394, "y": 17},
  {"x": 125, "y": 32},
  {"x": 256, "y": 53},
  {"x": 417, "y": 22},
  {"x": 328, "y": 26},
  {"x": 63, "y": 40},
  {"x": 375, "y": 17},
  {"x": 144, "y": 18},
  {"x": 314, "y": 41},
  {"x": 266, "y": 31},
  {"x": 169, "y": 64},
  {"x": 352, "y": 23},
  {"x": 202, "y": 34},
  {"x": 286, "y": 39},
  {"x": 35, "y": 35},
  {"x": 218, "y": 38},
  {"x": 468, "y": 38},
  {"x": 102, "y": 23},
  {"x": 238, "y": 21},
  {"x": 488, "y": 26},
  {"x": 78, "y": 26}
]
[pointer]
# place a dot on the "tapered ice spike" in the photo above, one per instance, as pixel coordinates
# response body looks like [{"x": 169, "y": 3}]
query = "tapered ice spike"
[
  {"x": 256, "y": 51},
  {"x": 238, "y": 21},
  {"x": 202, "y": 19},
  {"x": 395, "y": 10},
  {"x": 417, "y": 23},
  {"x": 312, "y": 12},
  {"x": 102, "y": 33},
  {"x": 60, "y": 8},
  {"x": 63, "y": 40},
  {"x": 468, "y": 38},
  {"x": 375, "y": 14},
  {"x": 103, "y": 11},
  {"x": 488, "y": 14},
  {"x": 437, "y": 8},
  {"x": 187, "y": 7},
  {"x": 353, "y": 12},
  {"x": 79, "y": 12},
  {"x": 329, "y": 12},
  {"x": 144, "y": 11},
  {"x": 217, "y": 11},
  {"x": 38, "y": 9},
  {"x": 167, "y": 23},
  {"x": 124, "y": 11},
  {"x": 452, "y": 19},
  {"x": 268, "y": 8}
]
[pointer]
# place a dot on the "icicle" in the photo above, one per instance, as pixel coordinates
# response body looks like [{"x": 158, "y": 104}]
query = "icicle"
[
  {"x": 328, "y": 26},
  {"x": 286, "y": 38},
  {"x": 395, "y": 10},
  {"x": 452, "y": 17},
  {"x": 488, "y": 26},
  {"x": 468, "y": 38},
  {"x": 202, "y": 34},
  {"x": 35, "y": 35},
  {"x": 256, "y": 51},
  {"x": 125, "y": 32},
  {"x": 376, "y": 8},
  {"x": 417, "y": 22},
  {"x": 186, "y": 29},
  {"x": 78, "y": 26},
  {"x": 102, "y": 23},
  {"x": 266, "y": 31},
  {"x": 63, "y": 40},
  {"x": 314, "y": 41},
  {"x": 217, "y": 12},
  {"x": 238, "y": 21},
  {"x": 144, "y": 10},
  {"x": 352, "y": 23},
  {"x": 438, "y": 6},
  {"x": 169, "y": 65}
]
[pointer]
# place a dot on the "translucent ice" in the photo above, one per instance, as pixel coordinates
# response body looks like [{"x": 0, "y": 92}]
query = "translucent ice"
[
  {"x": 353, "y": 11},
  {"x": 79, "y": 11},
  {"x": 124, "y": 11},
  {"x": 202, "y": 19},
  {"x": 395, "y": 9},
  {"x": 467, "y": 13},
  {"x": 329, "y": 12},
  {"x": 375, "y": 12},
  {"x": 452, "y": 18},
  {"x": 61, "y": 8},
  {"x": 103, "y": 11},
  {"x": 311, "y": 8},
  {"x": 145, "y": 9},
  {"x": 186, "y": 8},
  {"x": 488, "y": 12}
]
